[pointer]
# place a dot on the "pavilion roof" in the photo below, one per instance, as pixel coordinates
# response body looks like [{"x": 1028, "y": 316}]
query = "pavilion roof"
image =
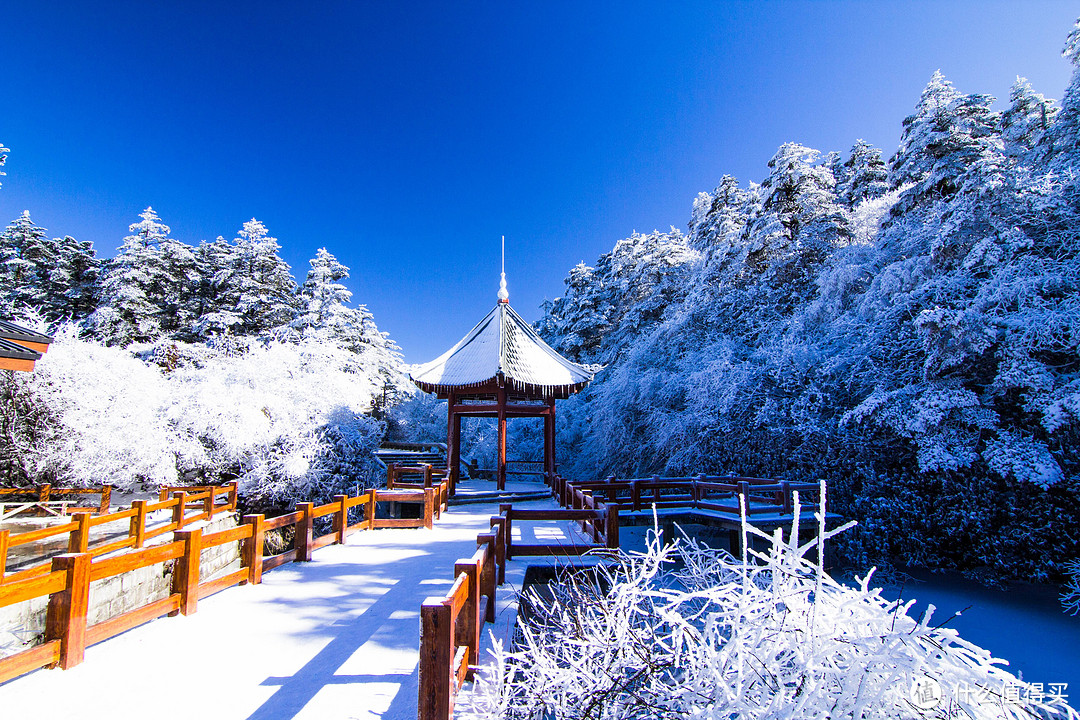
[
  {"x": 503, "y": 350},
  {"x": 20, "y": 347}
]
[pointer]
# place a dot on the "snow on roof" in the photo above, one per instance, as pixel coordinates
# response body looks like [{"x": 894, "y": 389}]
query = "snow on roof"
[{"x": 503, "y": 345}]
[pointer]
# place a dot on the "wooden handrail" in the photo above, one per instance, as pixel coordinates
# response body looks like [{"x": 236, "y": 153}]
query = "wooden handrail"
[{"x": 66, "y": 579}]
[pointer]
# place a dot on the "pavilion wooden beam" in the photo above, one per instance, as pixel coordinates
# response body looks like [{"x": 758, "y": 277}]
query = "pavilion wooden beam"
[{"x": 16, "y": 364}]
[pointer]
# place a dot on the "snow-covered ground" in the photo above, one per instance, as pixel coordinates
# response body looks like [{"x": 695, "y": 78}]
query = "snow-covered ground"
[{"x": 332, "y": 639}]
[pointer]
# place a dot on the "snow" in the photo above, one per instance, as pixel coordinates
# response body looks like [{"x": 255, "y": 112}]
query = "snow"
[
  {"x": 334, "y": 638},
  {"x": 501, "y": 343}
]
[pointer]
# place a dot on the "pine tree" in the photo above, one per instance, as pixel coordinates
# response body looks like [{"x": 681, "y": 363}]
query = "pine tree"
[
  {"x": 1026, "y": 120},
  {"x": 133, "y": 285},
  {"x": 865, "y": 176},
  {"x": 212, "y": 307},
  {"x": 951, "y": 141},
  {"x": 262, "y": 284},
  {"x": 73, "y": 291},
  {"x": 322, "y": 297},
  {"x": 3, "y": 158},
  {"x": 799, "y": 224},
  {"x": 27, "y": 257},
  {"x": 1062, "y": 142}
]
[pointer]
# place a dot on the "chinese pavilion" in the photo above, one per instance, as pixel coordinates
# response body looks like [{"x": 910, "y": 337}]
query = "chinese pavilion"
[{"x": 501, "y": 369}]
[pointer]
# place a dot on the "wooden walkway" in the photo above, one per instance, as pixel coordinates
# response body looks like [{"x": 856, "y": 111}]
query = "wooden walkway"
[{"x": 333, "y": 638}]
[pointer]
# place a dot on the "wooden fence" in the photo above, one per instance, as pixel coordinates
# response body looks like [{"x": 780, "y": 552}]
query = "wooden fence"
[
  {"x": 719, "y": 493},
  {"x": 186, "y": 505},
  {"x": 420, "y": 477},
  {"x": 450, "y": 625},
  {"x": 45, "y": 498},
  {"x": 66, "y": 579}
]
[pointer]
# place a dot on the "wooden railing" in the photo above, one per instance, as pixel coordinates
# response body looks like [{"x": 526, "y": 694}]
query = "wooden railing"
[
  {"x": 45, "y": 496},
  {"x": 450, "y": 625},
  {"x": 717, "y": 493},
  {"x": 66, "y": 579},
  {"x": 185, "y": 508}
]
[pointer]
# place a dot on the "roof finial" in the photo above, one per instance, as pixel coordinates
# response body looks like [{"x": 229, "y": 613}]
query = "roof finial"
[{"x": 504, "y": 296}]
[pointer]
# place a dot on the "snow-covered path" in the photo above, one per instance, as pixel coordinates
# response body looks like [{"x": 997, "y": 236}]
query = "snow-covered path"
[{"x": 334, "y": 638}]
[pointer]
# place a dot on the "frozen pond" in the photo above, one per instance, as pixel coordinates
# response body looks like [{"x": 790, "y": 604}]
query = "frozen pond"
[{"x": 1024, "y": 624}]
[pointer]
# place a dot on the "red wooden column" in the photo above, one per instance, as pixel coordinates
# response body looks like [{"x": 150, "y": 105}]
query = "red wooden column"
[
  {"x": 453, "y": 438},
  {"x": 502, "y": 437},
  {"x": 549, "y": 440}
]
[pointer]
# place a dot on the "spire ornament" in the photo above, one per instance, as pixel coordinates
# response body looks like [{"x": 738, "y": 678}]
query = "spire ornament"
[{"x": 504, "y": 295}]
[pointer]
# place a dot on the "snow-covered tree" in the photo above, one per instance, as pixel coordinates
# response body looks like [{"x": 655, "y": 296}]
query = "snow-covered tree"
[
  {"x": 27, "y": 257},
  {"x": 261, "y": 289},
  {"x": 865, "y": 176},
  {"x": 133, "y": 285}
]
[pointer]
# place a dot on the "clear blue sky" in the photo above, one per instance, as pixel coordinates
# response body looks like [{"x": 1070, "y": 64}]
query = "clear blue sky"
[{"x": 408, "y": 137}]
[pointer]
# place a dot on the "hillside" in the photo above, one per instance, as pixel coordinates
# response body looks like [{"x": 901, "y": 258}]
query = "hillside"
[{"x": 907, "y": 329}]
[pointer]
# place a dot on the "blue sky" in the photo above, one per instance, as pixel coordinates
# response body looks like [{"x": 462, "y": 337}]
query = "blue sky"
[{"x": 408, "y": 137}]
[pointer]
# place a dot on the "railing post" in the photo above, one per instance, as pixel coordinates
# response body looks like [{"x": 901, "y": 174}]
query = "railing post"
[
  {"x": 253, "y": 548},
  {"x": 507, "y": 526},
  {"x": 341, "y": 517},
  {"x": 785, "y": 492},
  {"x": 304, "y": 531},
  {"x": 499, "y": 523},
  {"x": 744, "y": 491},
  {"x": 186, "y": 572},
  {"x": 427, "y": 475},
  {"x": 635, "y": 495},
  {"x": 429, "y": 507},
  {"x": 370, "y": 508},
  {"x": 79, "y": 540},
  {"x": 106, "y": 499},
  {"x": 178, "y": 509},
  {"x": 233, "y": 491},
  {"x": 436, "y": 655},
  {"x": 612, "y": 530},
  {"x": 488, "y": 572},
  {"x": 390, "y": 476},
  {"x": 43, "y": 492},
  {"x": 5, "y": 538},
  {"x": 66, "y": 616},
  {"x": 163, "y": 493},
  {"x": 208, "y": 502},
  {"x": 469, "y": 620},
  {"x": 137, "y": 528}
]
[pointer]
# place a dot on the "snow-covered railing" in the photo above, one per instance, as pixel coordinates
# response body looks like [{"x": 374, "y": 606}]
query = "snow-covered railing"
[
  {"x": 419, "y": 477},
  {"x": 185, "y": 509},
  {"x": 450, "y": 625},
  {"x": 66, "y": 579},
  {"x": 701, "y": 492},
  {"x": 45, "y": 497}
]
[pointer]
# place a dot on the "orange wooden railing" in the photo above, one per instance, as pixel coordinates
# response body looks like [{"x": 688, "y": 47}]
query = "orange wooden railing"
[
  {"x": 450, "y": 625},
  {"x": 202, "y": 503},
  {"x": 702, "y": 492},
  {"x": 66, "y": 579},
  {"x": 418, "y": 477},
  {"x": 46, "y": 494}
]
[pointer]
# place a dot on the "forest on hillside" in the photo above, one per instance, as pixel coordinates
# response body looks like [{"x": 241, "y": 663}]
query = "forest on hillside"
[
  {"x": 192, "y": 364},
  {"x": 907, "y": 329}
]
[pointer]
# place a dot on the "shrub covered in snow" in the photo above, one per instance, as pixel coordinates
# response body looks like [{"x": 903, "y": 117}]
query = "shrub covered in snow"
[
  {"x": 682, "y": 631},
  {"x": 288, "y": 419}
]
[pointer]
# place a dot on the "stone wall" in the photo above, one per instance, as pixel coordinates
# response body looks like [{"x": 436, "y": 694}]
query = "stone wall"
[{"x": 23, "y": 625}]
